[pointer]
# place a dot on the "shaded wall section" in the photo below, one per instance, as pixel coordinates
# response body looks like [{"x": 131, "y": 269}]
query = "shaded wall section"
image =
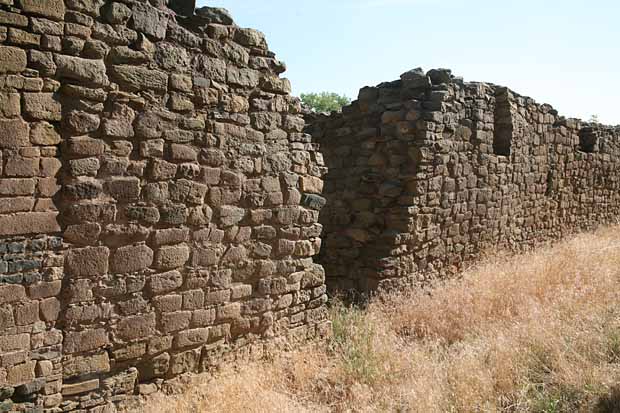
[
  {"x": 428, "y": 172},
  {"x": 158, "y": 201}
]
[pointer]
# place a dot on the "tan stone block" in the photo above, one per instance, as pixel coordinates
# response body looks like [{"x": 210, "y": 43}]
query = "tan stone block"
[
  {"x": 27, "y": 313},
  {"x": 47, "y": 187},
  {"x": 13, "y": 132},
  {"x": 14, "y": 357},
  {"x": 10, "y": 104},
  {"x": 185, "y": 362},
  {"x": 43, "y": 133},
  {"x": 17, "y": 166},
  {"x": 14, "y": 342},
  {"x": 12, "y": 60},
  {"x": 204, "y": 317},
  {"x": 79, "y": 388},
  {"x": 13, "y": 19},
  {"x": 87, "y": 262},
  {"x": 44, "y": 289},
  {"x": 20, "y": 204},
  {"x": 44, "y": 368},
  {"x": 171, "y": 257},
  {"x": 132, "y": 258},
  {"x": 192, "y": 338},
  {"x": 311, "y": 184},
  {"x": 87, "y": 340},
  {"x": 165, "y": 282},
  {"x": 11, "y": 293},
  {"x": 50, "y": 167},
  {"x": 82, "y": 365},
  {"x": 136, "y": 327},
  {"x": 168, "y": 303},
  {"x": 54, "y": 9},
  {"x": 175, "y": 321},
  {"x": 23, "y": 38},
  {"x": 170, "y": 236},
  {"x": 49, "y": 309},
  {"x": 21, "y": 374},
  {"x": 229, "y": 311},
  {"x": 42, "y": 106}
]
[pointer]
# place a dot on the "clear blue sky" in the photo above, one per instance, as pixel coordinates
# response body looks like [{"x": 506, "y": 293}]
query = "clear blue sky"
[{"x": 562, "y": 52}]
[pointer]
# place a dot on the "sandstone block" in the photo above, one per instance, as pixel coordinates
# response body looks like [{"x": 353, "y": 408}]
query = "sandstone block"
[
  {"x": 86, "y": 340},
  {"x": 10, "y": 104},
  {"x": 84, "y": 146},
  {"x": 165, "y": 282},
  {"x": 18, "y": 166},
  {"x": 27, "y": 313},
  {"x": 149, "y": 20},
  {"x": 136, "y": 327},
  {"x": 83, "y": 365},
  {"x": 79, "y": 388},
  {"x": 89, "y": 72},
  {"x": 42, "y": 106},
  {"x": 29, "y": 223},
  {"x": 12, "y": 60},
  {"x": 13, "y": 19},
  {"x": 43, "y": 133},
  {"x": 21, "y": 373},
  {"x": 49, "y": 309},
  {"x": 87, "y": 262},
  {"x": 13, "y": 133},
  {"x": 124, "y": 189},
  {"x": 170, "y": 257},
  {"x": 191, "y": 338},
  {"x": 135, "y": 78},
  {"x": 170, "y": 236},
  {"x": 54, "y": 9},
  {"x": 11, "y": 293},
  {"x": 132, "y": 258},
  {"x": 44, "y": 289},
  {"x": 175, "y": 321}
]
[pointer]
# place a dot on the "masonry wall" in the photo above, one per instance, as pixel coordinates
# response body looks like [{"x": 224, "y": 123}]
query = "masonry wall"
[
  {"x": 429, "y": 172},
  {"x": 158, "y": 201}
]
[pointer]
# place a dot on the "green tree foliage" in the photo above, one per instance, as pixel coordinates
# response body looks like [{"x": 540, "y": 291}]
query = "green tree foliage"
[{"x": 324, "y": 101}]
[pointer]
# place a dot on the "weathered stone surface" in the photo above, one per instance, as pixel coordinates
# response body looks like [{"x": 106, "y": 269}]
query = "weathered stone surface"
[
  {"x": 138, "y": 78},
  {"x": 172, "y": 155},
  {"x": 131, "y": 259},
  {"x": 88, "y": 262},
  {"x": 149, "y": 20},
  {"x": 42, "y": 106},
  {"x": 13, "y": 133},
  {"x": 29, "y": 223},
  {"x": 12, "y": 59},
  {"x": 54, "y": 9},
  {"x": 86, "y": 340},
  {"x": 90, "y": 72}
]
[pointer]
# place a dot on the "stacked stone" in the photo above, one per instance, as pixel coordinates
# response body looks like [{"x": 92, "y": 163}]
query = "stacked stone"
[
  {"x": 189, "y": 200},
  {"x": 429, "y": 172}
]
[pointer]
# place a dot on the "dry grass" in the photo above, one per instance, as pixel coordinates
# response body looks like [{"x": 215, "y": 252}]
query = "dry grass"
[{"x": 533, "y": 333}]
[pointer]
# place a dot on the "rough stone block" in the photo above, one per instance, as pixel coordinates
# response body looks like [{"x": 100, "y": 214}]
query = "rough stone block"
[
  {"x": 131, "y": 259},
  {"x": 86, "y": 340},
  {"x": 90, "y": 72},
  {"x": 165, "y": 282},
  {"x": 12, "y": 60},
  {"x": 171, "y": 257},
  {"x": 14, "y": 133},
  {"x": 29, "y": 223},
  {"x": 87, "y": 262},
  {"x": 54, "y": 9},
  {"x": 42, "y": 106},
  {"x": 11, "y": 293},
  {"x": 136, "y": 327}
]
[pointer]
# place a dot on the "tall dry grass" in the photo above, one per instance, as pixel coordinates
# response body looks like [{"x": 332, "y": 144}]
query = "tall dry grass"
[{"x": 534, "y": 333}]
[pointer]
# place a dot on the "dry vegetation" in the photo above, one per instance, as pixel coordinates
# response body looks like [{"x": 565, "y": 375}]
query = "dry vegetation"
[{"x": 535, "y": 333}]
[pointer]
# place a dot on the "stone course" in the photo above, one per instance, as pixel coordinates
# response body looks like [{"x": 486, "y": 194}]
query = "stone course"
[
  {"x": 428, "y": 172},
  {"x": 158, "y": 201}
]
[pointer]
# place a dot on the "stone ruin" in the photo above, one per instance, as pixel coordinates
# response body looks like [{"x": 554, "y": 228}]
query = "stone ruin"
[
  {"x": 158, "y": 201},
  {"x": 160, "y": 194},
  {"x": 428, "y": 172}
]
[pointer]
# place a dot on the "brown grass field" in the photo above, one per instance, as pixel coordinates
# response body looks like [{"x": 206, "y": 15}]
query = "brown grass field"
[{"x": 538, "y": 332}]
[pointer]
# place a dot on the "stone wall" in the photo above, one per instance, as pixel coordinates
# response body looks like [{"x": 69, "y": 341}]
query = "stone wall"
[
  {"x": 158, "y": 201},
  {"x": 428, "y": 172}
]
